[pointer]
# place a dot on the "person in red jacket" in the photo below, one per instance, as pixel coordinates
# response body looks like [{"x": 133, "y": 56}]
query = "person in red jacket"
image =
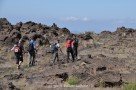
[{"x": 69, "y": 49}]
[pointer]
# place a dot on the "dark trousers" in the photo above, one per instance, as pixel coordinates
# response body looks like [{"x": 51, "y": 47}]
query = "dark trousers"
[
  {"x": 19, "y": 57},
  {"x": 75, "y": 51},
  {"x": 31, "y": 58},
  {"x": 70, "y": 51}
]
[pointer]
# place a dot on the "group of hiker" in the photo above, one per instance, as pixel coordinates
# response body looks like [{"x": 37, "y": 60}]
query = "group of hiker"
[
  {"x": 71, "y": 45},
  {"x": 18, "y": 49}
]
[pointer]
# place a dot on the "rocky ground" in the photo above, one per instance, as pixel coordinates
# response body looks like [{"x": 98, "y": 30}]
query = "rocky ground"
[{"x": 105, "y": 60}]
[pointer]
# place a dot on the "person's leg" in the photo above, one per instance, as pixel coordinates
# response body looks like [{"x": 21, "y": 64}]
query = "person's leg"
[
  {"x": 68, "y": 55},
  {"x": 72, "y": 54},
  {"x": 76, "y": 52},
  {"x": 33, "y": 59},
  {"x": 17, "y": 59},
  {"x": 20, "y": 60},
  {"x": 58, "y": 61},
  {"x": 57, "y": 56},
  {"x": 17, "y": 62},
  {"x": 54, "y": 57},
  {"x": 30, "y": 59}
]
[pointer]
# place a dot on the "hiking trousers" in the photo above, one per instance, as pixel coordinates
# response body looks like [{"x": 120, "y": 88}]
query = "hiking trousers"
[
  {"x": 70, "y": 51},
  {"x": 75, "y": 51},
  {"x": 31, "y": 58},
  {"x": 55, "y": 56}
]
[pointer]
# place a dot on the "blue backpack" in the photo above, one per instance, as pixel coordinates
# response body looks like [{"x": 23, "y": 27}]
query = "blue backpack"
[
  {"x": 54, "y": 48},
  {"x": 31, "y": 47}
]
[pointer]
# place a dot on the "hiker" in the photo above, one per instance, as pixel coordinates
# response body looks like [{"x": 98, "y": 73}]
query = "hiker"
[
  {"x": 69, "y": 49},
  {"x": 18, "y": 50},
  {"x": 32, "y": 51},
  {"x": 55, "y": 47},
  {"x": 75, "y": 46}
]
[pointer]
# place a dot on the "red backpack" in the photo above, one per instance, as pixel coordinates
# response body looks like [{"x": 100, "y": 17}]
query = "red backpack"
[
  {"x": 17, "y": 49},
  {"x": 69, "y": 43}
]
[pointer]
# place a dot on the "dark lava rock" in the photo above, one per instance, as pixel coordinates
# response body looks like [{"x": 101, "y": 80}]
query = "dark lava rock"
[
  {"x": 13, "y": 76},
  {"x": 11, "y": 86},
  {"x": 64, "y": 76},
  {"x": 101, "y": 68}
]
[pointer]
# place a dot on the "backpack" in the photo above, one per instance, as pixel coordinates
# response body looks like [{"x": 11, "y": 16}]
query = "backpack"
[
  {"x": 69, "y": 43},
  {"x": 17, "y": 49},
  {"x": 75, "y": 44},
  {"x": 54, "y": 48},
  {"x": 31, "y": 47}
]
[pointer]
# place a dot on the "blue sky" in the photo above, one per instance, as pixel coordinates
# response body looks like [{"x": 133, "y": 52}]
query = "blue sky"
[{"x": 76, "y": 15}]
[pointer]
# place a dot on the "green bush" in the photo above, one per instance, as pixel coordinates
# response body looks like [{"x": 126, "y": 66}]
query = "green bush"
[
  {"x": 130, "y": 86},
  {"x": 73, "y": 80},
  {"x": 96, "y": 43}
]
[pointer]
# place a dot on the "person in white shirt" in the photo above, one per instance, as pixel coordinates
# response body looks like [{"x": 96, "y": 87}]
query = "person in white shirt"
[{"x": 55, "y": 47}]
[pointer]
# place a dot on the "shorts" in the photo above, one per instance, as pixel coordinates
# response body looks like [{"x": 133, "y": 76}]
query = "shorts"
[{"x": 19, "y": 58}]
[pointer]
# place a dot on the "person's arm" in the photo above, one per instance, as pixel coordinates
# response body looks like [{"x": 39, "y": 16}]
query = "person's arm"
[
  {"x": 34, "y": 43},
  {"x": 61, "y": 50},
  {"x": 58, "y": 45},
  {"x": 13, "y": 48}
]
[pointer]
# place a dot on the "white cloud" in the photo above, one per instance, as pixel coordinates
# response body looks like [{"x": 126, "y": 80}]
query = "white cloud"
[
  {"x": 85, "y": 19},
  {"x": 72, "y": 18}
]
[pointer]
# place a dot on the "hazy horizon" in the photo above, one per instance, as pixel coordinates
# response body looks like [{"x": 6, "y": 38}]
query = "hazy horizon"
[{"x": 77, "y": 16}]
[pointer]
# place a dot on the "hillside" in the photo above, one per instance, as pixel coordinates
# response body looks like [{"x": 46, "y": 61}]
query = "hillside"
[{"x": 105, "y": 60}]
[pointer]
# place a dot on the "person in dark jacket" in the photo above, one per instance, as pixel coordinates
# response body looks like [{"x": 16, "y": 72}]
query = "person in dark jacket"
[
  {"x": 32, "y": 52},
  {"x": 18, "y": 50},
  {"x": 75, "y": 46}
]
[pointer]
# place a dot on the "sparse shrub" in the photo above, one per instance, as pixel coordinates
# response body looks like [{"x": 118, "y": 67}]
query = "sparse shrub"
[
  {"x": 73, "y": 80},
  {"x": 101, "y": 83},
  {"x": 96, "y": 44},
  {"x": 88, "y": 45},
  {"x": 111, "y": 48},
  {"x": 130, "y": 86}
]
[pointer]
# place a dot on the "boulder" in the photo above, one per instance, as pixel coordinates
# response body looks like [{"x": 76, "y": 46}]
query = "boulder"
[
  {"x": 3, "y": 37},
  {"x": 4, "y": 21},
  {"x": 54, "y": 26},
  {"x": 65, "y": 31}
]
